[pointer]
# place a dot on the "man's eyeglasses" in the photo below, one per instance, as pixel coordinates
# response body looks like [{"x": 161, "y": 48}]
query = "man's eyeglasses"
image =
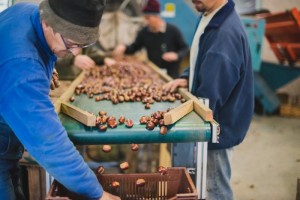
[{"x": 69, "y": 46}]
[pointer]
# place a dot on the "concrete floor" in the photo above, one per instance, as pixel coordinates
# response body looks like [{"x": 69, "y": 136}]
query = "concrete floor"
[{"x": 267, "y": 164}]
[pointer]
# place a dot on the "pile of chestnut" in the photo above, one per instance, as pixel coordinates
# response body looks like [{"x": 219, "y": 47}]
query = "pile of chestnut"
[
  {"x": 156, "y": 119},
  {"x": 103, "y": 121},
  {"x": 125, "y": 82}
]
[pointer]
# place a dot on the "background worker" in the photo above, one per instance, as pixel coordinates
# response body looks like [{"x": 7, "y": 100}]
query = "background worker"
[
  {"x": 220, "y": 70},
  {"x": 70, "y": 66},
  {"x": 164, "y": 42},
  {"x": 31, "y": 39}
]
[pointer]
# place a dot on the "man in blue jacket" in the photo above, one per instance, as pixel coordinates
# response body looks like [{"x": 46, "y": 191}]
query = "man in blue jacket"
[
  {"x": 220, "y": 70},
  {"x": 31, "y": 38}
]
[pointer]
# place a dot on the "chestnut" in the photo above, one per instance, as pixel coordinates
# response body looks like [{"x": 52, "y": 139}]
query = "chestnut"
[
  {"x": 140, "y": 182},
  {"x": 163, "y": 130},
  {"x": 161, "y": 122},
  {"x": 102, "y": 127},
  {"x": 72, "y": 98},
  {"x": 122, "y": 120},
  {"x": 115, "y": 184},
  {"x": 156, "y": 115},
  {"x": 124, "y": 165},
  {"x": 111, "y": 118},
  {"x": 98, "y": 120},
  {"x": 155, "y": 121},
  {"x": 134, "y": 147},
  {"x": 112, "y": 123},
  {"x": 91, "y": 95},
  {"x": 148, "y": 106},
  {"x": 129, "y": 123},
  {"x": 106, "y": 148},
  {"x": 103, "y": 119},
  {"x": 97, "y": 98},
  {"x": 178, "y": 96},
  {"x": 150, "y": 125},
  {"x": 100, "y": 170},
  {"x": 101, "y": 113},
  {"x": 182, "y": 100},
  {"x": 143, "y": 120},
  {"x": 162, "y": 170},
  {"x": 77, "y": 92}
]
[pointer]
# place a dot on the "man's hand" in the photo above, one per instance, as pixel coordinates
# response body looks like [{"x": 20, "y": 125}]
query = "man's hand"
[
  {"x": 108, "y": 196},
  {"x": 84, "y": 62},
  {"x": 170, "y": 56},
  {"x": 119, "y": 51},
  {"x": 109, "y": 61},
  {"x": 54, "y": 81},
  {"x": 176, "y": 83}
]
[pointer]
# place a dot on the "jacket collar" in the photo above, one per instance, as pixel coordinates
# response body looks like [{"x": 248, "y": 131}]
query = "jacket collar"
[{"x": 219, "y": 17}]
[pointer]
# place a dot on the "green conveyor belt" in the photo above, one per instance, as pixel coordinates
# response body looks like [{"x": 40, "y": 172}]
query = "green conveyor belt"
[{"x": 190, "y": 128}]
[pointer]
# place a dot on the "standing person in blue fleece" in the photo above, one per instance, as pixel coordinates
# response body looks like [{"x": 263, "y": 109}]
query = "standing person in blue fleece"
[
  {"x": 220, "y": 70},
  {"x": 31, "y": 39}
]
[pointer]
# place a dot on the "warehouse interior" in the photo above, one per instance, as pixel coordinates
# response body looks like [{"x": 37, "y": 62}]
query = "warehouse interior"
[{"x": 266, "y": 165}]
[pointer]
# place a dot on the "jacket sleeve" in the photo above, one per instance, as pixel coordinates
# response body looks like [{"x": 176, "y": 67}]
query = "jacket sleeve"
[
  {"x": 182, "y": 47},
  {"x": 217, "y": 78},
  {"x": 137, "y": 44},
  {"x": 26, "y": 107},
  {"x": 186, "y": 73}
]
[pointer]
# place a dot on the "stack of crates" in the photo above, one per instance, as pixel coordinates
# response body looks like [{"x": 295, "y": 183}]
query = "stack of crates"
[{"x": 282, "y": 32}]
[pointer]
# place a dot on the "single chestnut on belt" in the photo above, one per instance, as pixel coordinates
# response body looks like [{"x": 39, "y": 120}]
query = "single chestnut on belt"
[{"x": 129, "y": 123}]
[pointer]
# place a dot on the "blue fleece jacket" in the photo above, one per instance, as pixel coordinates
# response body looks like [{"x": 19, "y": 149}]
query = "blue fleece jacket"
[
  {"x": 26, "y": 65},
  {"x": 223, "y": 73}
]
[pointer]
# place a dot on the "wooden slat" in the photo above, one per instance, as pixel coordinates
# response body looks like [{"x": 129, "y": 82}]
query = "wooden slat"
[
  {"x": 177, "y": 113},
  {"x": 186, "y": 94},
  {"x": 203, "y": 111},
  {"x": 82, "y": 116},
  {"x": 69, "y": 92}
]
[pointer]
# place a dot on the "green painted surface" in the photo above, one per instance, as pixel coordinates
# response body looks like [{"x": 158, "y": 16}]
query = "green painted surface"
[{"x": 190, "y": 128}]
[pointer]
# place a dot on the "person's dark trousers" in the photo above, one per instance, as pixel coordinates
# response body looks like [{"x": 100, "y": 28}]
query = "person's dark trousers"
[{"x": 11, "y": 151}]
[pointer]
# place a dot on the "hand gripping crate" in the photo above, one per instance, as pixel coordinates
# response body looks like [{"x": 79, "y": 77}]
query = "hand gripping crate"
[{"x": 176, "y": 184}]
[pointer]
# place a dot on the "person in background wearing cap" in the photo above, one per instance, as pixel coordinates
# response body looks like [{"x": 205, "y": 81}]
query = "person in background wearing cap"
[
  {"x": 164, "y": 42},
  {"x": 31, "y": 39},
  {"x": 221, "y": 70}
]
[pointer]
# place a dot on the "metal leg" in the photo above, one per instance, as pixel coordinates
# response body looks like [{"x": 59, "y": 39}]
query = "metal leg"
[
  {"x": 49, "y": 180},
  {"x": 201, "y": 169}
]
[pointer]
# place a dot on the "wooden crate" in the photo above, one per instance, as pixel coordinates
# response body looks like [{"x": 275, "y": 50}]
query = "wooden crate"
[
  {"x": 36, "y": 181},
  {"x": 289, "y": 110},
  {"x": 289, "y": 96}
]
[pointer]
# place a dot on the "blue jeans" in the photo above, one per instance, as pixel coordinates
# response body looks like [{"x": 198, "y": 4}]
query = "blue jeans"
[
  {"x": 11, "y": 151},
  {"x": 219, "y": 174}
]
